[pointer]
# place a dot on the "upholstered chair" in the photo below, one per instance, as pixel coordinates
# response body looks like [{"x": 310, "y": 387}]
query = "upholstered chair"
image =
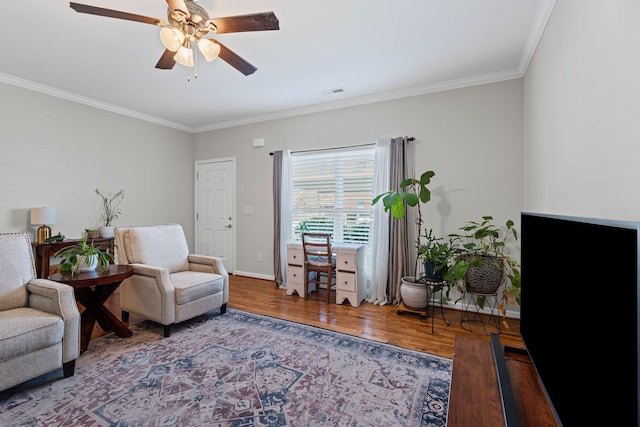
[
  {"x": 169, "y": 285},
  {"x": 39, "y": 318}
]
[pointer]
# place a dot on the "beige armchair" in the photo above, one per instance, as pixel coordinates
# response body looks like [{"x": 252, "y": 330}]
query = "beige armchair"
[
  {"x": 39, "y": 318},
  {"x": 168, "y": 285}
]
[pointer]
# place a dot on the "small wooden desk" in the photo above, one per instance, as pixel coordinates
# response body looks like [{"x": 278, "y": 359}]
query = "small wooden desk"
[
  {"x": 92, "y": 288},
  {"x": 44, "y": 251}
]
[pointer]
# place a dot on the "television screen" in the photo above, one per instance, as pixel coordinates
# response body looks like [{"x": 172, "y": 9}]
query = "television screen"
[{"x": 579, "y": 315}]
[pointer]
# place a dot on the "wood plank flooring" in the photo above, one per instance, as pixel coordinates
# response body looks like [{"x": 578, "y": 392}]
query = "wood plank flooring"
[{"x": 375, "y": 322}]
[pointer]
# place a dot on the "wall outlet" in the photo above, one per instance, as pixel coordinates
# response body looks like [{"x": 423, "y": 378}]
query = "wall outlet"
[{"x": 259, "y": 257}]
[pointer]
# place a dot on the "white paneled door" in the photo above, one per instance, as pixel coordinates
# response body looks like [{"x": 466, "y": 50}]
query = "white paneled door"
[{"x": 215, "y": 216}]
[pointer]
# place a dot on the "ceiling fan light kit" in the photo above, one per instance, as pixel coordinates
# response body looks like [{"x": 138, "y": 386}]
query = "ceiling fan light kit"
[{"x": 190, "y": 22}]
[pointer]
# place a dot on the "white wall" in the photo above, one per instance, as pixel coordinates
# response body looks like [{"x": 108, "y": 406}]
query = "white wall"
[
  {"x": 471, "y": 138},
  {"x": 55, "y": 153},
  {"x": 581, "y": 106}
]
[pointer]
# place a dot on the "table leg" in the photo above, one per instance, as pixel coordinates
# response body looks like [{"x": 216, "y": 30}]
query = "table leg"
[{"x": 93, "y": 299}]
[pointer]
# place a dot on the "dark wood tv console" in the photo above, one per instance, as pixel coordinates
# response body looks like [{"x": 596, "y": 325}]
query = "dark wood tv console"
[{"x": 474, "y": 399}]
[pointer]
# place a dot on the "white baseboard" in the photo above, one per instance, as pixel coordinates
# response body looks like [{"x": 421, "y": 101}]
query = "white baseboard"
[{"x": 255, "y": 275}]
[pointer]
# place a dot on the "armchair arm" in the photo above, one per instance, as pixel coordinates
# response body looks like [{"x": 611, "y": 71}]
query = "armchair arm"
[
  {"x": 211, "y": 264},
  {"x": 149, "y": 291},
  {"x": 58, "y": 298}
]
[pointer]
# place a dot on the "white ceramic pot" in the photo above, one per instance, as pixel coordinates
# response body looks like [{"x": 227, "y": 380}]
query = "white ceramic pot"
[
  {"x": 106, "y": 231},
  {"x": 88, "y": 263},
  {"x": 414, "y": 295}
]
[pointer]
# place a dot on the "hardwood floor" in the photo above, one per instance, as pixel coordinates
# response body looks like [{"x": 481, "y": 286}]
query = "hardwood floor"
[{"x": 375, "y": 322}]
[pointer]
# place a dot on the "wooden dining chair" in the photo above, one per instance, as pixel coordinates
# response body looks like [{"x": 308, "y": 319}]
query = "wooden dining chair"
[{"x": 318, "y": 259}]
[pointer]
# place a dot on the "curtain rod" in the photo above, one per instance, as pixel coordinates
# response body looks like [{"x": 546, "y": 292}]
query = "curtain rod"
[{"x": 337, "y": 148}]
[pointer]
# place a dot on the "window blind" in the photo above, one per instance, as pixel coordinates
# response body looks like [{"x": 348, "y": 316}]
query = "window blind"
[{"x": 331, "y": 192}]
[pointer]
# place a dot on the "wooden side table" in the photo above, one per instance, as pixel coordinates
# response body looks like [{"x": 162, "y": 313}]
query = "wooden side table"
[{"x": 92, "y": 288}]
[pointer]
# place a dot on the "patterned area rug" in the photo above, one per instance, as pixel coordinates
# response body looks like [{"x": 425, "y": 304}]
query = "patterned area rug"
[{"x": 237, "y": 369}]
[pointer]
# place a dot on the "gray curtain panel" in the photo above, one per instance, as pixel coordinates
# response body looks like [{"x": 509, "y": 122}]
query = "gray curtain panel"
[
  {"x": 400, "y": 263},
  {"x": 277, "y": 221}
]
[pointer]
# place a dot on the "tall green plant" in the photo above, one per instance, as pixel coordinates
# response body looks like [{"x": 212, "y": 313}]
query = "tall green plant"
[
  {"x": 413, "y": 192},
  {"x": 110, "y": 206}
]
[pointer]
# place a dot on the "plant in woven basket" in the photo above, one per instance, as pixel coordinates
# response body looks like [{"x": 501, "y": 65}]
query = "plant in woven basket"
[{"x": 483, "y": 265}]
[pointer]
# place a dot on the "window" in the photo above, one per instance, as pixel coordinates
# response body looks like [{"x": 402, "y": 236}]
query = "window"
[{"x": 332, "y": 191}]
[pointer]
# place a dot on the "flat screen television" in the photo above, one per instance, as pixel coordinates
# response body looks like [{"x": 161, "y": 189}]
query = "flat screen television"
[{"x": 579, "y": 315}]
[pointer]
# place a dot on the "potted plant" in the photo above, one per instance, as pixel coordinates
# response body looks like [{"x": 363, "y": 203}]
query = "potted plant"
[
  {"x": 412, "y": 192},
  {"x": 84, "y": 256},
  {"x": 483, "y": 265},
  {"x": 110, "y": 211},
  {"x": 437, "y": 254}
]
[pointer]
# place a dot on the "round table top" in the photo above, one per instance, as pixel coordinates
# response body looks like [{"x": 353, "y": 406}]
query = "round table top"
[{"x": 113, "y": 274}]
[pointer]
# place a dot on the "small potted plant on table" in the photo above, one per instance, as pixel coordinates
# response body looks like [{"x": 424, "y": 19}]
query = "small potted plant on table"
[
  {"x": 85, "y": 256},
  {"x": 110, "y": 211}
]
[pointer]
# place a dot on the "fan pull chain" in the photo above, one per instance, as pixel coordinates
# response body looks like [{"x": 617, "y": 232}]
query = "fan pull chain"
[{"x": 195, "y": 64}]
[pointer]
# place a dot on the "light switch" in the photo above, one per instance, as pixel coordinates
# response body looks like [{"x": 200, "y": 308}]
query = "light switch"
[{"x": 247, "y": 210}]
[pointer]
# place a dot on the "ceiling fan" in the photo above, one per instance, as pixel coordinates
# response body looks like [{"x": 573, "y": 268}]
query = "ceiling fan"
[{"x": 188, "y": 23}]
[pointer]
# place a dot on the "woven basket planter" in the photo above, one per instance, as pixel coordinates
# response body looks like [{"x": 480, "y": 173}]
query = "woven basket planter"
[{"x": 485, "y": 278}]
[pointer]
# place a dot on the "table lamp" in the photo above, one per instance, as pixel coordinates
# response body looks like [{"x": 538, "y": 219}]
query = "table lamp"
[{"x": 44, "y": 216}]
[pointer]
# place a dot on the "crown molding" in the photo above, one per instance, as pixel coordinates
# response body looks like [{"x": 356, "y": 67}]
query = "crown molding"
[{"x": 69, "y": 96}]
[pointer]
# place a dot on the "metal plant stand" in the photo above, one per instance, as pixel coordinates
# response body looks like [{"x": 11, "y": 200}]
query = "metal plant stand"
[
  {"x": 471, "y": 311},
  {"x": 435, "y": 286}
]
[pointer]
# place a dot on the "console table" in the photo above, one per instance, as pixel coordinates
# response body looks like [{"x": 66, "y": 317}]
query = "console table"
[
  {"x": 474, "y": 399},
  {"x": 44, "y": 251}
]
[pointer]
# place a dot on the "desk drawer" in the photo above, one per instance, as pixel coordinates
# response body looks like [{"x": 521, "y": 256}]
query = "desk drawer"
[
  {"x": 295, "y": 274},
  {"x": 346, "y": 282},
  {"x": 295, "y": 256},
  {"x": 346, "y": 260}
]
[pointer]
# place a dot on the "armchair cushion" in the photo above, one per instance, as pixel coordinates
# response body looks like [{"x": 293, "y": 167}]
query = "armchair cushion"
[
  {"x": 26, "y": 330},
  {"x": 16, "y": 269},
  {"x": 192, "y": 285},
  {"x": 160, "y": 246}
]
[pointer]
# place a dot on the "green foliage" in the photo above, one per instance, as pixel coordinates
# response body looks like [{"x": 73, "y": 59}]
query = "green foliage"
[
  {"x": 484, "y": 238},
  {"x": 438, "y": 251},
  {"x": 71, "y": 255},
  {"x": 413, "y": 192},
  {"x": 111, "y": 206},
  {"x": 394, "y": 201}
]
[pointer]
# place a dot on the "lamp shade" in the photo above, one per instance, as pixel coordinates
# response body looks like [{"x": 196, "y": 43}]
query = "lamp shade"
[
  {"x": 44, "y": 216},
  {"x": 184, "y": 55},
  {"x": 172, "y": 38},
  {"x": 209, "y": 49}
]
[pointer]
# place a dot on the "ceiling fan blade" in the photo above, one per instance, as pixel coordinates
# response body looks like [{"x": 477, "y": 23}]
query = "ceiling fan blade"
[
  {"x": 235, "y": 61},
  {"x": 251, "y": 22},
  {"x": 179, "y": 6},
  {"x": 110, "y": 13},
  {"x": 166, "y": 61}
]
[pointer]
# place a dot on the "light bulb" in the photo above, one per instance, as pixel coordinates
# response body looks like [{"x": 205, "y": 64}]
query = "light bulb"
[
  {"x": 209, "y": 49},
  {"x": 172, "y": 38}
]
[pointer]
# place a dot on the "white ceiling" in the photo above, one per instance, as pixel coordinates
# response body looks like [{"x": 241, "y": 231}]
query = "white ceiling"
[{"x": 373, "y": 50}]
